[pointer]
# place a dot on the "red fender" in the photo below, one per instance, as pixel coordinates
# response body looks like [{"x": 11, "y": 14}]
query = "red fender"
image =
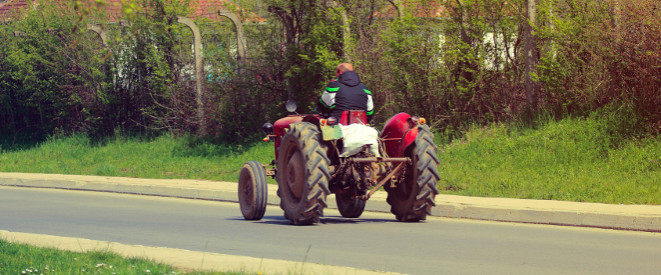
[
  {"x": 399, "y": 133},
  {"x": 280, "y": 126}
]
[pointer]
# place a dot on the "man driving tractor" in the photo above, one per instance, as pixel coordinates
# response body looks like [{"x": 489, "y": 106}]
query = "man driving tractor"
[
  {"x": 346, "y": 93},
  {"x": 314, "y": 157}
]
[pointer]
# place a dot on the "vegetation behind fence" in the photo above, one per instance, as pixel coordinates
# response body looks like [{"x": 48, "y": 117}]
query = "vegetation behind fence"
[{"x": 458, "y": 63}]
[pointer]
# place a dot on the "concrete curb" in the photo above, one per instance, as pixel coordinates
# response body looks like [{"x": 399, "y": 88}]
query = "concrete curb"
[{"x": 622, "y": 217}]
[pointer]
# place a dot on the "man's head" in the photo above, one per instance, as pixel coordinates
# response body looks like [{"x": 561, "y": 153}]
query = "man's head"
[{"x": 344, "y": 67}]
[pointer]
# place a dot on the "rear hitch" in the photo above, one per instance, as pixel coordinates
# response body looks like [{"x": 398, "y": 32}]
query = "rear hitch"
[{"x": 393, "y": 174}]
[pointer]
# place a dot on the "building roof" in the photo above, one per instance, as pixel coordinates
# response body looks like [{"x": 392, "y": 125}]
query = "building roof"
[
  {"x": 431, "y": 9},
  {"x": 10, "y": 9},
  {"x": 209, "y": 9}
]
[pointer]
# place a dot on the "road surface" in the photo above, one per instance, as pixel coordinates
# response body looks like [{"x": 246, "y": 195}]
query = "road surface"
[{"x": 374, "y": 242}]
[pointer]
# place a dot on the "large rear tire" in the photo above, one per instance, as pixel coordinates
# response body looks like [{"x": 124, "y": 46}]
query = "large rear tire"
[
  {"x": 253, "y": 190},
  {"x": 303, "y": 174},
  {"x": 412, "y": 199}
]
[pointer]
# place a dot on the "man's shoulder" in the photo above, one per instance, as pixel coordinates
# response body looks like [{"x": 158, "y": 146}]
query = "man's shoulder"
[
  {"x": 333, "y": 86},
  {"x": 364, "y": 88},
  {"x": 333, "y": 83}
]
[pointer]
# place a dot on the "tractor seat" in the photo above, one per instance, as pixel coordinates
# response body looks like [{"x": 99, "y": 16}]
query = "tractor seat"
[{"x": 353, "y": 117}]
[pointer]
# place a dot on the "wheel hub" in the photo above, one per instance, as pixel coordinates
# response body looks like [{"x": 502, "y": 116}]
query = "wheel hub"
[{"x": 295, "y": 179}]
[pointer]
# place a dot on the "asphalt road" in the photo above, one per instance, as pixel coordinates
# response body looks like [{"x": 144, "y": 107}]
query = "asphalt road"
[{"x": 374, "y": 242}]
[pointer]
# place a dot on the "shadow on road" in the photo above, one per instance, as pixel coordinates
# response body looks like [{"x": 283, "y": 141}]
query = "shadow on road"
[{"x": 280, "y": 220}]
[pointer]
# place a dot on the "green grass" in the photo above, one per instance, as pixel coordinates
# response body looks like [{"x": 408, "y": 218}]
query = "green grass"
[
  {"x": 26, "y": 259},
  {"x": 162, "y": 157},
  {"x": 573, "y": 160},
  {"x": 576, "y": 159}
]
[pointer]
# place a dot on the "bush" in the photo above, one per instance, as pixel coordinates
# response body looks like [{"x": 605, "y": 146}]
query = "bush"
[
  {"x": 457, "y": 63},
  {"x": 51, "y": 76},
  {"x": 635, "y": 66}
]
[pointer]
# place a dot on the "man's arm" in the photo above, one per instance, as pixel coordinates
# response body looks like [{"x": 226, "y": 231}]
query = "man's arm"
[
  {"x": 327, "y": 101},
  {"x": 322, "y": 108},
  {"x": 370, "y": 105}
]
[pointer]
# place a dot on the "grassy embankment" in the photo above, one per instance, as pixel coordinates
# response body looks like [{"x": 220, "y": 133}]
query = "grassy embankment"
[
  {"x": 573, "y": 159},
  {"x": 584, "y": 160},
  {"x": 162, "y": 157},
  {"x": 26, "y": 259}
]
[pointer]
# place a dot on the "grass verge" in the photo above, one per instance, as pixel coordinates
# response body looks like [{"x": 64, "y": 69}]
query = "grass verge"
[
  {"x": 164, "y": 157},
  {"x": 26, "y": 259},
  {"x": 579, "y": 159},
  {"x": 575, "y": 159}
]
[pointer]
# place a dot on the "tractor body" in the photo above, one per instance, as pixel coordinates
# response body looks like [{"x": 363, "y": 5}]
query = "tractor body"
[{"x": 312, "y": 161}]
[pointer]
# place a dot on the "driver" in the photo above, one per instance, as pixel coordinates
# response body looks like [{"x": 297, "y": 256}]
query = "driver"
[{"x": 345, "y": 93}]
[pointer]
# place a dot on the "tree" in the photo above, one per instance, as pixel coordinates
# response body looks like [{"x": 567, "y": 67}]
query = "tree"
[
  {"x": 532, "y": 58},
  {"x": 312, "y": 46}
]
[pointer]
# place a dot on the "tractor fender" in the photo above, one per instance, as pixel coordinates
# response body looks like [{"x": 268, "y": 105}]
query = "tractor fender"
[
  {"x": 401, "y": 133},
  {"x": 280, "y": 126}
]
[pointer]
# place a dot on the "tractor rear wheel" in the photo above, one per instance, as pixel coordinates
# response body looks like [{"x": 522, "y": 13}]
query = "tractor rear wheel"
[
  {"x": 303, "y": 174},
  {"x": 253, "y": 190},
  {"x": 412, "y": 199}
]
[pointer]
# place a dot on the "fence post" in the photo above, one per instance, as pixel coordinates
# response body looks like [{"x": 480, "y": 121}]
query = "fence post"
[{"x": 199, "y": 74}]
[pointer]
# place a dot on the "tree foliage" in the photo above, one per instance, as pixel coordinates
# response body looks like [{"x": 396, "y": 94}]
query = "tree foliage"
[
  {"x": 454, "y": 62},
  {"x": 52, "y": 75}
]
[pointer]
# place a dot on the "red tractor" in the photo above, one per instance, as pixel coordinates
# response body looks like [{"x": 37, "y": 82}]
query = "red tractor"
[{"x": 311, "y": 162}]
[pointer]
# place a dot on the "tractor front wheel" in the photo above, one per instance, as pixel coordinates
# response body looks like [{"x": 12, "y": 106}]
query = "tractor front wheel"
[
  {"x": 412, "y": 199},
  {"x": 348, "y": 205},
  {"x": 303, "y": 174},
  {"x": 252, "y": 190}
]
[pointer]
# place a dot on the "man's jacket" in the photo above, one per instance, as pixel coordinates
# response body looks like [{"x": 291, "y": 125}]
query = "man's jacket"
[{"x": 346, "y": 93}]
